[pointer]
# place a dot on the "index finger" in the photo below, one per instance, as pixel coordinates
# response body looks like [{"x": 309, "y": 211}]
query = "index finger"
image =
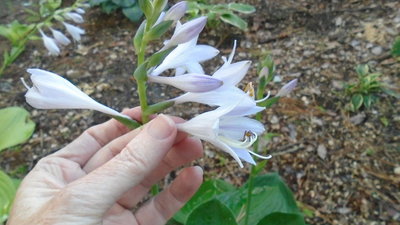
[{"x": 94, "y": 138}]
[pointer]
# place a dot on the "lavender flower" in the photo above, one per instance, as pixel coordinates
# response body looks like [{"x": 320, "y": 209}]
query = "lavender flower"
[
  {"x": 287, "y": 88},
  {"x": 51, "y": 91},
  {"x": 74, "y": 31},
  {"x": 176, "y": 12},
  {"x": 186, "y": 32},
  {"x": 76, "y": 17},
  {"x": 189, "y": 82},
  {"x": 60, "y": 37}
]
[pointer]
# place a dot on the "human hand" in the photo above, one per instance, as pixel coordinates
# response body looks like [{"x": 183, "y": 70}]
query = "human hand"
[{"x": 104, "y": 173}]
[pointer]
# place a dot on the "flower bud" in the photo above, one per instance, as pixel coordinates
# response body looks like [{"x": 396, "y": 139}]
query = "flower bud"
[
  {"x": 60, "y": 37},
  {"x": 74, "y": 31},
  {"x": 287, "y": 88},
  {"x": 77, "y": 18},
  {"x": 50, "y": 44},
  {"x": 176, "y": 12},
  {"x": 186, "y": 32}
]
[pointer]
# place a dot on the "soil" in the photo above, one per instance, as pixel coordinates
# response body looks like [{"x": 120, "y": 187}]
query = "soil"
[{"x": 343, "y": 166}]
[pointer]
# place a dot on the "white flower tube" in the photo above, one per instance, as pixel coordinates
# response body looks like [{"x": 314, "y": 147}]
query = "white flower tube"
[
  {"x": 232, "y": 133},
  {"x": 60, "y": 37},
  {"x": 74, "y": 31},
  {"x": 186, "y": 57},
  {"x": 51, "y": 91},
  {"x": 189, "y": 82},
  {"x": 50, "y": 44}
]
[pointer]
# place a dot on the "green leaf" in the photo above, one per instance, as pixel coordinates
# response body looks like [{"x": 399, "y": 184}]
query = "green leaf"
[
  {"x": 269, "y": 102},
  {"x": 207, "y": 191},
  {"x": 137, "y": 40},
  {"x": 282, "y": 219},
  {"x": 140, "y": 73},
  {"x": 158, "y": 57},
  {"x": 357, "y": 101},
  {"x": 96, "y": 2},
  {"x": 362, "y": 69},
  {"x": 234, "y": 20},
  {"x": 133, "y": 13},
  {"x": 211, "y": 212},
  {"x": 242, "y": 8},
  {"x": 124, "y": 3},
  {"x": 108, "y": 7},
  {"x": 147, "y": 8},
  {"x": 391, "y": 92},
  {"x": 7, "y": 193},
  {"x": 368, "y": 100},
  {"x": 158, "y": 30},
  {"x": 396, "y": 48},
  {"x": 15, "y": 126}
]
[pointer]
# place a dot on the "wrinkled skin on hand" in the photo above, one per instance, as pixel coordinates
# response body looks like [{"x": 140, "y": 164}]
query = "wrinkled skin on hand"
[{"x": 105, "y": 172}]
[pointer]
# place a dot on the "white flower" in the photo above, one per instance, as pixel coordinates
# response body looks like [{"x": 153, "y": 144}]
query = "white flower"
[
  {"x": 227, "y": 129},
  {"x": 80, "y": 10},
  {"x": 50, "y": 44},
  {"x": 51, "y": 91},
  {"x": 74, "y": 31},
  {"x": 76, "y": 17},
  {"x": 60, "y": 37},
  {"x": 191, "y": 82},
  {"x": 176, "y": 12},
  {"x": 287, "y": 88},
  {"x": 186, "y": 32},
  {"x": 187, "y": 57}
]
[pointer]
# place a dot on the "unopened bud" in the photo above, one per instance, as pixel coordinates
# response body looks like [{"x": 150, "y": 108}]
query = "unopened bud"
[
  {"x": 287, "y": 88},
  {"x": 187, "y": 31},
  {"x": 176, "y": 12}
]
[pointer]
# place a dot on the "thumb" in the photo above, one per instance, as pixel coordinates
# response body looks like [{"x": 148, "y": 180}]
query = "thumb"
[{"x": 140, "y": 156}]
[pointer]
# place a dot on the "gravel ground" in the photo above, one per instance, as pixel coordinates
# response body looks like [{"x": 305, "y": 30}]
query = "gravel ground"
[{"x": 343, "y": 166}]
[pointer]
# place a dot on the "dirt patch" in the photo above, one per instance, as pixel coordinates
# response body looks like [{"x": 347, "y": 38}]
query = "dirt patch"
[{"x": 341, "y": 165}]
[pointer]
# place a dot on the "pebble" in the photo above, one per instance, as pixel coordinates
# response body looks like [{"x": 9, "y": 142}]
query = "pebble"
[
  {"x": 321, "y": 151},
  {"x": 397, "y": 170},
  {"x": 377, "y": 50}
]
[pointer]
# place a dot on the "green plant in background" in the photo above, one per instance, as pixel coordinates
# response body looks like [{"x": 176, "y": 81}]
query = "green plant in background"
[
  {"x": 48, "y": 12},
  {"x": 263, "y": 200},
  {"x": 8, "y": 189},
  {"x": 15, "y": 126},
  {"x": 130, "y": 8},
  {"x": 221, "y": 12},
  {"x": 396, "y": 47},
  {"x": 364, "y": 92}
]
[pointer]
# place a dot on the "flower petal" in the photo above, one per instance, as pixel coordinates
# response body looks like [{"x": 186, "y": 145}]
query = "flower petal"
[
  {"x": 233, "y": 73},
  {"x": 189, "y": 82},
  {"x": 235, "y": 127},
  {"x": 244, "y": 154}
]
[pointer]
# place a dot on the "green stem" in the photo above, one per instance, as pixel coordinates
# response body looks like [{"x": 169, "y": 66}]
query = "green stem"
[
  {"x": 249, "y": 195},
  {"x": 142, "y": 89}
]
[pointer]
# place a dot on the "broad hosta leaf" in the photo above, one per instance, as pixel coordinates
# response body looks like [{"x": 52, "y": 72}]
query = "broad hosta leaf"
[
  {"x": 242, "y": 8},
  {"x": 211, "y": 212},
  {"x": 207, "y": 191},
  {"x": 124, "y": 3},
  {"x": 7, "y": 193},
  {"x": 234, "y": 20},
  {"x": 15, "y": 126},
  {"x": 391, "y": 92},
  {"x": 282, "y": 219},
  {"x": 133, "y": 13},
  {"x": 368, "y": 100},
  {"x": 357, "y": 101}
]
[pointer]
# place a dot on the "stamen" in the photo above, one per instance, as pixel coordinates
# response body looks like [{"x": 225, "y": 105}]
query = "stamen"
[
  {"x": 249, "y": 139},
  {"x": 263, "y": 99},
  {"x": 260, "y": 156},
  {"x": 26, "y": 85},
  {"x": 249, "y": 89}
]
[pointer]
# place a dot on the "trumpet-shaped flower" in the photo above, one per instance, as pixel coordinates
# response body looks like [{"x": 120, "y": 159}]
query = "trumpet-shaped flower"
[
  {"x": 60, "y": 37},
  {"x": 186, "y": 32},
  {"x": 80, "y": 10},
  {"x": 76, "y": 17},
  {"x": 50, "y": 44},
  {"x": 187, "y": 57},
  {"x": 74, "y": 31},
  {"x": 189, "y": 82},
  {"x": 51, "y": 91},
  {"x": 227, "y": 129}
]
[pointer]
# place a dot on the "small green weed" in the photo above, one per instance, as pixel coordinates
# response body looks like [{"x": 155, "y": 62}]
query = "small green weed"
[{"x": 364, "y": 92}]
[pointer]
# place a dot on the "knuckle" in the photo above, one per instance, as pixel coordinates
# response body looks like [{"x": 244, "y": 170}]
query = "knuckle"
[{"x": 133, "y": 158}]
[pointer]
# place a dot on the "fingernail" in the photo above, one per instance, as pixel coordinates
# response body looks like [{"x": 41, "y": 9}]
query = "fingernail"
[{"x": 161, "y": 127}]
